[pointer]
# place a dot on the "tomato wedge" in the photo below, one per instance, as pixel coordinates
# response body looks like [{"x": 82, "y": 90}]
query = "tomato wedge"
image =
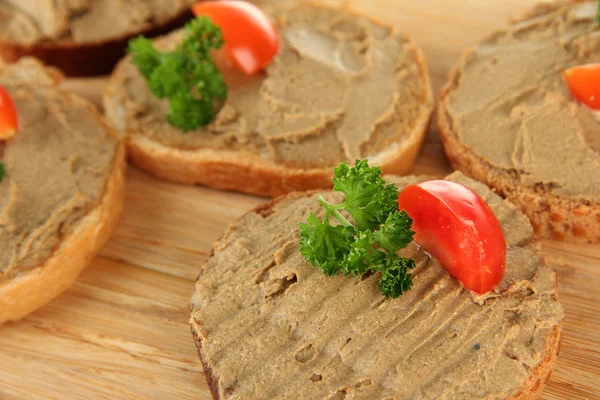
[
  {"x": 457, "y": 226},
  {"x": 8, "y": 116},
  {"x": 583, "y": 82},
  {"x": 251, "y": 40}
]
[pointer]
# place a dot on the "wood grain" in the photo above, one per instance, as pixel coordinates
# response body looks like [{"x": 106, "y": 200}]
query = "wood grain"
[{"x": 121, "y": 331}]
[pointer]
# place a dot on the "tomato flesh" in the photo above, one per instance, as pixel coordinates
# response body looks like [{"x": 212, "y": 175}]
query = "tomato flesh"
[
  {"x": 455, "y": 225},
  {"x": 583, "y": 82},
  {"x": 251, "y": 40},
  {"x": 8, "y": 116}
]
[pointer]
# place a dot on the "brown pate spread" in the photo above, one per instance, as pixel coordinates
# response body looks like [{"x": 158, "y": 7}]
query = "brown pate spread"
[
  {"x": 57, "y": 167},
  {"x": 30, "y": 22},
  {"x": 512, "y": 107},
  {"x": 342, "y": 87},
  {"x": 272, "y": 326}
]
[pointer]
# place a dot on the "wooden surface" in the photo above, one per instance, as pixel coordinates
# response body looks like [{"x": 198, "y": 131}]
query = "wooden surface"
[{"x": 121, "y": 331}]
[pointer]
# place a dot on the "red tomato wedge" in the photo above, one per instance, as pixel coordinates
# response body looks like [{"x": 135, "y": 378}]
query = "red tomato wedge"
[
  {"x": 583, "y": 82},
  {"x": 251, "y": 40},
  {"x": 8, "y": 116},
  {"x": 456, "y": 226}
]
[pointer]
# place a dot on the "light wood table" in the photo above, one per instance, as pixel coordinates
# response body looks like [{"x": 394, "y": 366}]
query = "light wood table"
[{"x": 121, "y": 331}]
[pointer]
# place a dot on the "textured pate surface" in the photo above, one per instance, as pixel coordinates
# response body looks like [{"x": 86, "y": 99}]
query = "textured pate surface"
[
  {"x": 29, "y": 22},
  {"x": 510, "y": 105},
  {"x": 57, "y": 167},
  {"x": 271, "y": 326},
  {"x": 342, "y": 87}
]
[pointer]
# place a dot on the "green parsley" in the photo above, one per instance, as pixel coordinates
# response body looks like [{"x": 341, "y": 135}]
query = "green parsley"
[
  {"x": 598, "y": 13},
  {"x": 2, "y": 171},
  {"x": 371, "y": 243},
  {"x": 186, "y": 76}
]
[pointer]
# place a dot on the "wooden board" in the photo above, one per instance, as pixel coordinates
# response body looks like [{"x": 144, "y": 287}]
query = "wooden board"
[{"x": 121, "y": 331}]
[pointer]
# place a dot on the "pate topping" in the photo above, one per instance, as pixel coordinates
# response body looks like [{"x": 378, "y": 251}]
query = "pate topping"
[
  {"x": 513, "y": 108},
  {"x": 342, "y": 87},
  {"x": 272, "y": 326},
  {"x": 57, "y": 167},
  {"x": 29, "y": 22}
]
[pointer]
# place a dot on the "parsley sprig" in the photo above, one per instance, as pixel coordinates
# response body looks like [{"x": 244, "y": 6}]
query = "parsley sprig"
[
  {"x": 372, "y": 242},
  {"x": 2, "y": 171},
  {"x": 187, "y": 76}
]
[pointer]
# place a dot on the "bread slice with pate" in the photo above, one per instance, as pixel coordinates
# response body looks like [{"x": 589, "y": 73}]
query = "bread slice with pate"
[
  {"x": 83, "y": 37},
  {"x": 343, "y": 86},
  {"x": 507, "y": 118},
  {"x": 62, "y": 191},
  {"x": 267, "y": 324}
]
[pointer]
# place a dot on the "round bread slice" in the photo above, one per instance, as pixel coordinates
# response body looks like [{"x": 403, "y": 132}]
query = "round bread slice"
[
  {"x": 62, "y": 193},
  {"x": 343, "y": 87},
  {"x": 507, "y": 119},
  {"x": 269, "y": 325},
  {"x": 83, "y": 37}
]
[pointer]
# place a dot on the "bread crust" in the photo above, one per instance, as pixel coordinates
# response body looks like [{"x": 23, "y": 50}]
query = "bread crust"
[
  {"x": 530, "y": 390},
  {"x": 552, "y": 216},
  {"x": 210, "y": 378},
  {"x": 35, "y": 288},
  {"x": 542, "y": 373},
  {"x": 84, "y": 59},
  {"x": 229, "y": 170}
]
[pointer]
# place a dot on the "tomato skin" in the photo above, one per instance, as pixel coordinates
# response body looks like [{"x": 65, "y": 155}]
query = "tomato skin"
[
  {"x": 8, "y": 116},
  {"x": 251, "y": 40},
  {"x": 457, "y": 226},
  {"x": 583, "y": 82}
]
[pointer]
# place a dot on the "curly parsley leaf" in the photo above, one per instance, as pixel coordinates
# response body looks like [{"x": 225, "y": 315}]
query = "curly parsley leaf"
[
  {"x": 186, "y": 76},
  {"x": 2, "y": 171},
  {"x": 395, "y": 233},
  {"x": 361, "y": 256},
  {"x": 372, "y": 245},
  {"x": 368, "y": 198},
  {"x": 395, "y": 278},
  {"x": 323, "y": 244}
]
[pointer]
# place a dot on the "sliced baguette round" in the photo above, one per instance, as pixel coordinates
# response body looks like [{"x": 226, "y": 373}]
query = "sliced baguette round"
[
  {"x": 554, "y": 216},
  {"x": 25, "y": 291},
  {"x": 247, "y": 172},
  {"x": 269, "y": 325}
]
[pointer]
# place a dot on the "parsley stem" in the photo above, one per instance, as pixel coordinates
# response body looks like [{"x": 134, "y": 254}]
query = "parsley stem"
[{"x": 333, "y": 211}]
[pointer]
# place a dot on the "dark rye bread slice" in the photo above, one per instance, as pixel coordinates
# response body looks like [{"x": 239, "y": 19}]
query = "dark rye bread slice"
[
  {"x": 554, "y": 214},
  {"x": 86, "y": 58},
  {"x": 268, "y": 325}
]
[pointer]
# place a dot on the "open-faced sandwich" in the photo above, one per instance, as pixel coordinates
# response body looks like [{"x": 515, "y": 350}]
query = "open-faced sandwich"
[
  {"x": 61, "y": 186},
  {"x": 83, "y": 37},
  {"x": 520, "y": 113},
  {"x": 288, "y": 101},
  {"x": 437, "y": 293}
]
